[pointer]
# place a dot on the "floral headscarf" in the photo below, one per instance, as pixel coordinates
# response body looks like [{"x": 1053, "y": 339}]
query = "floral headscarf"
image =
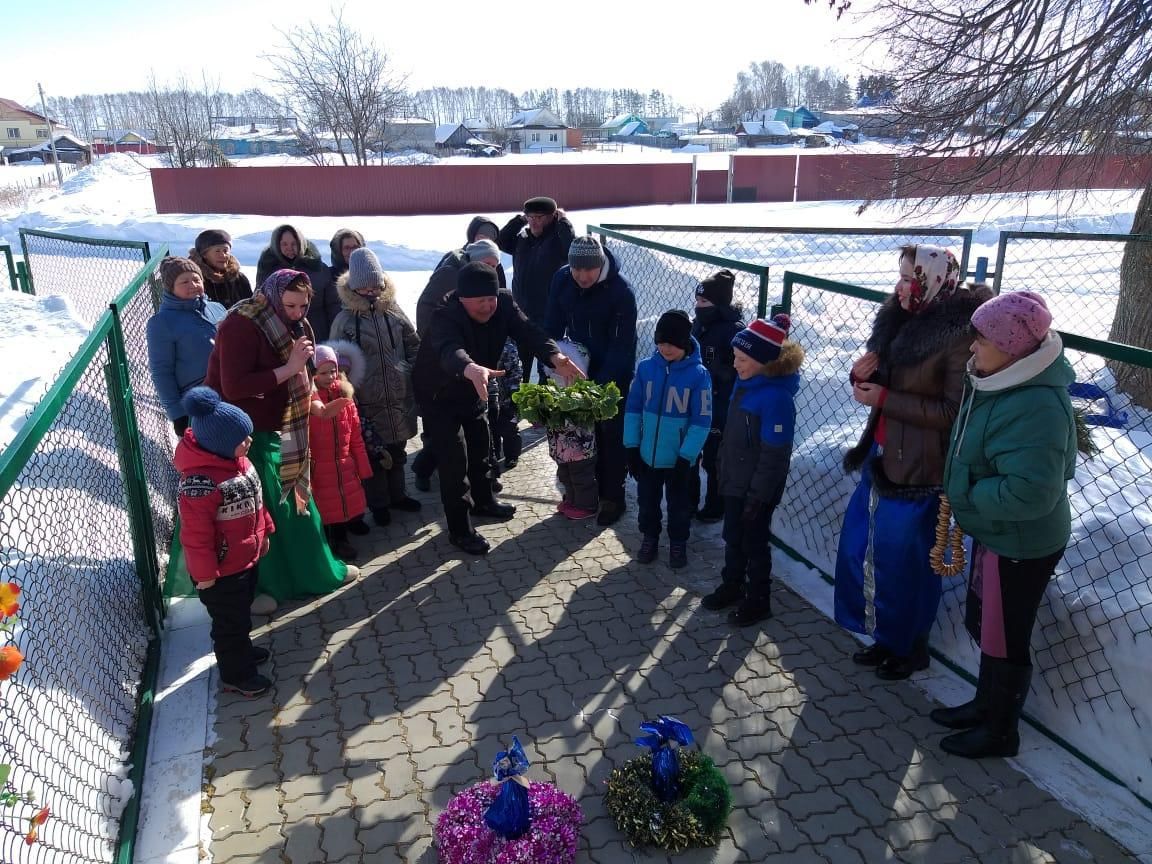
[
  {"x": 276, "y": 284},
  {"x": 935, "y": 277}
]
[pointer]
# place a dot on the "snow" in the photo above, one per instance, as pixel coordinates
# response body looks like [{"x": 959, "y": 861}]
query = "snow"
[{"x": 1103, "y": 582}]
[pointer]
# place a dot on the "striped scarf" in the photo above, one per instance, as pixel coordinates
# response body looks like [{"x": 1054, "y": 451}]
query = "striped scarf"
[{"x": 294, "y": 467}]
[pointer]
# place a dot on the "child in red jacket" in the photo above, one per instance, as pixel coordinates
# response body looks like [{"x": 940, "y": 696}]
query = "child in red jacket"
[
  {"x": 339, "y": 459},
  {"x": 224, "y": 529}
]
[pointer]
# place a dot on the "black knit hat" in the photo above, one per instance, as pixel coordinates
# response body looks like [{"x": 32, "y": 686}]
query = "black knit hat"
[
  {"x": 717, "y": 288},
  {"x": 205, "y": 240},
  {"x": 675, "y": 328},
  {"x": 477, "y": 280},
  {"x": 540, "y": 204}
]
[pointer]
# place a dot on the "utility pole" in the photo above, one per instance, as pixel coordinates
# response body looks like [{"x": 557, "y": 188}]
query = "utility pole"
[{"x": 51, "y": 137}]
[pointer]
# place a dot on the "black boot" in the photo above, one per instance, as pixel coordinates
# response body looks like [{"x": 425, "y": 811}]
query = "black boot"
[
  {"x": 897, "y": 668},
  {"x": 752, "y": 610},
  {"x": 338, "y": 542},
  {"x": 974, "y": 712},
  {"x": 998, "y": 735},
  {"x": 726, "y": 594}
]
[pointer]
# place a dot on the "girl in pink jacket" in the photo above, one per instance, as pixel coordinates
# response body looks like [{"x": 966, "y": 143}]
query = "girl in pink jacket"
[{"x": 339, "y": 459}]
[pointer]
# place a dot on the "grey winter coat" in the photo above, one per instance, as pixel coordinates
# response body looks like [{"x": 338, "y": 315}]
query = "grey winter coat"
[{"x": 389, "y": 343}]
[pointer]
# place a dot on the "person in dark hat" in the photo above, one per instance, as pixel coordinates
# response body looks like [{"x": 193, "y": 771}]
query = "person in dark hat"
[
  {"x": 590, "y": 303},
  {"x": 717, "y": 321},
  {"x": 666, "y": 421},
  {"x": 223, "y": 281},
  {"x": 456, "y": 361},
  {"x": 180, "y": 336},
  {"x": 538, "y": 241}
]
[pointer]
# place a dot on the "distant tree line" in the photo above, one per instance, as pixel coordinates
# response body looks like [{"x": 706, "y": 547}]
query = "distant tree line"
[
  {"x": 583, "y": 107},
  {"x": 769, "y": 84}
]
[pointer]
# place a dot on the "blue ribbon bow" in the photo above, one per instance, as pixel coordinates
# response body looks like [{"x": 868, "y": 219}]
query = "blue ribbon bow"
[
  {"x": 510, "y": 815},
  {"x": 665, "y": 763}
]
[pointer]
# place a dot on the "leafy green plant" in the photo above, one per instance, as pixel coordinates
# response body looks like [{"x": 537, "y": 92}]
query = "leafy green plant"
[{"x": 581, "y": 403}]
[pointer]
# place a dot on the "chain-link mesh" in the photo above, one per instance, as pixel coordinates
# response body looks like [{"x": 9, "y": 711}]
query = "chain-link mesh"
[
  {"x": 89, "y": 272},
  {"x": 68, "y": 714},
  {"x": 79, "y": 489},
  {"x": 1078, "y": 274},
  {"x": 864, "y": 257}
]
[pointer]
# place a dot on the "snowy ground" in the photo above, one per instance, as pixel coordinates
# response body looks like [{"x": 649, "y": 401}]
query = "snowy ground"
[{"x": 113, "y": 200}]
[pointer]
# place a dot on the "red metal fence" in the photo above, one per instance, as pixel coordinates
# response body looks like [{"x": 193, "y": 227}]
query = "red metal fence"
[{"x": 415, "y": 189}]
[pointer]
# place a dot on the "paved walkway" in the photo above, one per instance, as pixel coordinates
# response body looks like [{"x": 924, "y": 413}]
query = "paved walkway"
[{"x": 396, "y": 692}]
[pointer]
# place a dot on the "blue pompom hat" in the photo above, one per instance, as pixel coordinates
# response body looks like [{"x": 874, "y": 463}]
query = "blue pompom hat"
[{"x": 217, "y": 426}]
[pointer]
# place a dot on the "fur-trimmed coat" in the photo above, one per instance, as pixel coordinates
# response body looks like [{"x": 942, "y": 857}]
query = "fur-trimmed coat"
[
  {"x": 756, "y": 447},
  {"x": 226, "y": 288},
  {"x": 339, "y": 459},
  {"x": 922, "y": 366},
  {"x": 390, "y": 344}
]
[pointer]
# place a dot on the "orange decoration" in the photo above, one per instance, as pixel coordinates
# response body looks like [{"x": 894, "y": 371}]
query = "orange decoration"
[
  {"x": 10, "y": 660},
  {"x": 34, "y": 825},
  {"x": 9, "y": 599}
]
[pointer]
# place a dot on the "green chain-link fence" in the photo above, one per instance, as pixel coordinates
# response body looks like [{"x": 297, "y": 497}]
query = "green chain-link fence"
[
  {"x": 863, "y": 256},
  {"x": 79, "y": 486},
  {"x": 17, "y": 273},
  {"x": 1078, "y": 274}
]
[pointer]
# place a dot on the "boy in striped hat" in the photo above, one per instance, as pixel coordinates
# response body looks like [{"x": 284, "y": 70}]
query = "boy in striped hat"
[{"x": 755, "y": 452}]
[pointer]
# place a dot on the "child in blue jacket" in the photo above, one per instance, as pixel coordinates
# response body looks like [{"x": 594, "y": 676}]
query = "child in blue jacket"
[
  {"x": 666, "y": 422},
  {"x": 755, "y": 452}
]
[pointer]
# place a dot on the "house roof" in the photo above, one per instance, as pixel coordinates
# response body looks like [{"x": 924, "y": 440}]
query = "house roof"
[
  {"x": 408, "y": 121},
  {"x": 12, "y": 105},
  {"x": 118, "y": 135},
  {"x": 631, "y": 127},
  {"x": 446, "y": 130},
  {"x": 45, "y": 146},
  {"x": 766, "y": 127},
  {"x": 619, "y": 120},
  {"x": 540, "y": 117}
]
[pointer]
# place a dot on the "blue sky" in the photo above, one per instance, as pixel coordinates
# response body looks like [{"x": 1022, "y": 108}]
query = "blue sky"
[{"x": 693, "y": 55}]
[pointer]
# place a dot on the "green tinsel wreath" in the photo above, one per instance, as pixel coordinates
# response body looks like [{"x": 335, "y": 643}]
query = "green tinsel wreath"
[{"x": 696, "y": 818}]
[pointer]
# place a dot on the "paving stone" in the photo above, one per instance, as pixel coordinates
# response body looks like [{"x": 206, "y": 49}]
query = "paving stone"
[
  {"x": 339, "y": 841},
  {"x": 302, "y": 843}
]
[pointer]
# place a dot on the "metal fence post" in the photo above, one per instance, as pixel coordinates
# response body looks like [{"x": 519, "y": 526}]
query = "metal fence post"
[{"x": 132, "y": 467}]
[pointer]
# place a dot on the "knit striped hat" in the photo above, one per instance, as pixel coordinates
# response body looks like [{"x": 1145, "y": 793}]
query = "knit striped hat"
[{"x": 762, "y": 340}]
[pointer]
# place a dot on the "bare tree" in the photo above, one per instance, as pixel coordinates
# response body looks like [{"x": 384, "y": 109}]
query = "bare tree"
[
  {"x": 181, "y": 116},
  {"x": 344, "y": 84},
  {"x": 1008, "y": 79}
]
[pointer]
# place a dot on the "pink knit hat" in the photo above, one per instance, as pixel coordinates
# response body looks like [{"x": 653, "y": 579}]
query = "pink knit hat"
[
  {"x": 1016, "y": 322},
  {"x": 325, "y": 354}
]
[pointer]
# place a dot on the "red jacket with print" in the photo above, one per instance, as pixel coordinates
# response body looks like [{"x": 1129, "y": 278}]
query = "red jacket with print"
[{"x": 223, "y": 521}]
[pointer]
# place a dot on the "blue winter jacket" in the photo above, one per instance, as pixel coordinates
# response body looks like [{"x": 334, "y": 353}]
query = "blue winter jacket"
[
  {"x": 180, "y": 339},
  {"x": 669, "y": 409},
  {"x": 601, "y": 318}
]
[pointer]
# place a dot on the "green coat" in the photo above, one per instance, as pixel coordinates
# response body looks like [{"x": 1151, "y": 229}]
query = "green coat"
[{"x": 1012, "y": 453}]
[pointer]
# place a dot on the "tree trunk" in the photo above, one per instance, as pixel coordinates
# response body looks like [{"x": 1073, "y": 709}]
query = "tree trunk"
[{"x": 1133, "y": 322}]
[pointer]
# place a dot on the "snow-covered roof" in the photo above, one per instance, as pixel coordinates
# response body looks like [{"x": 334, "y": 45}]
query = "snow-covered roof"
[
  {"x": 536, "y": 117},
  {"x": 247, "y": 131},
  {"x": 409, "y": 121},
  {"x": 118, "y": 135},
  {"x": 766, "y": 127},
  {"x": 445, "y": 131},
  {"x": 618, "y": 120},
  {"x": 630, "y": 128}
]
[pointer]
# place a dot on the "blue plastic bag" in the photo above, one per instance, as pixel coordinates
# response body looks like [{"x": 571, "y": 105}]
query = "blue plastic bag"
[
  {"x": 510, "y": 815},
  {"x": 665, "y": 763}
]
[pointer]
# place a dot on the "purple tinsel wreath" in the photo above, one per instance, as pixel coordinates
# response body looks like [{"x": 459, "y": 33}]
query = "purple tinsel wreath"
[{"x": 464, "y": 838}]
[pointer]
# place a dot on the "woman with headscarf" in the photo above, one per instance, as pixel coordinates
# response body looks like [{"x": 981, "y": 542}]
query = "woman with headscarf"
[
  {"x": 288, "y": 248},
  {"x": 911, "y": 377},
  {"x": 260, "y": 364}
]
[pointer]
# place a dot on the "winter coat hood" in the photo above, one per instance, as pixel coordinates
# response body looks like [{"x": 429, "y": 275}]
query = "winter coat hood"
[
  {"x": 476, "y": 224},
  {"x": 339, "y": 263},
  {"x": 358, "y": 305},
  {"x": 351, "y": 354}
]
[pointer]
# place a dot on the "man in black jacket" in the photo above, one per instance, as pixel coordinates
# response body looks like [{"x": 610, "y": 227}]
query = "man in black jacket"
[
  {"x": 538, "y": 241},
  {"x": 451, "y": 375}
]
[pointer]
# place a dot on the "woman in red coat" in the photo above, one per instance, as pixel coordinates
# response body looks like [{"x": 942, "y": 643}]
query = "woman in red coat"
[{"x": 339, "y": 459}]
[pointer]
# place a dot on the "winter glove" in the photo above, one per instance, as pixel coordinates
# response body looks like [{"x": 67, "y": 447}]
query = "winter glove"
[
  {"x": 636, "y": 466},
  {"x": 682, "y": 470},
  {"x": 753, "y": 509}
]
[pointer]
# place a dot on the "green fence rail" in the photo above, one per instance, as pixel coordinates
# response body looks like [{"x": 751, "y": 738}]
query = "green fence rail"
[
  {"x": 1099, "y": 607},
  {"x": 863, "y": 256},
  {"x": 79, "y": 534}
]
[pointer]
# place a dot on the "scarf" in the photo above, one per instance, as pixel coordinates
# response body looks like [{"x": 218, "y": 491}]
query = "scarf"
[
  {"x": 294, "y": 467},
  {"x": 935, "y": 277}
]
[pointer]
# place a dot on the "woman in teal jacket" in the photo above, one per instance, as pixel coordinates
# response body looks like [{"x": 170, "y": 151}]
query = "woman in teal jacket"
[{"x": 1012, "y": 454}]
